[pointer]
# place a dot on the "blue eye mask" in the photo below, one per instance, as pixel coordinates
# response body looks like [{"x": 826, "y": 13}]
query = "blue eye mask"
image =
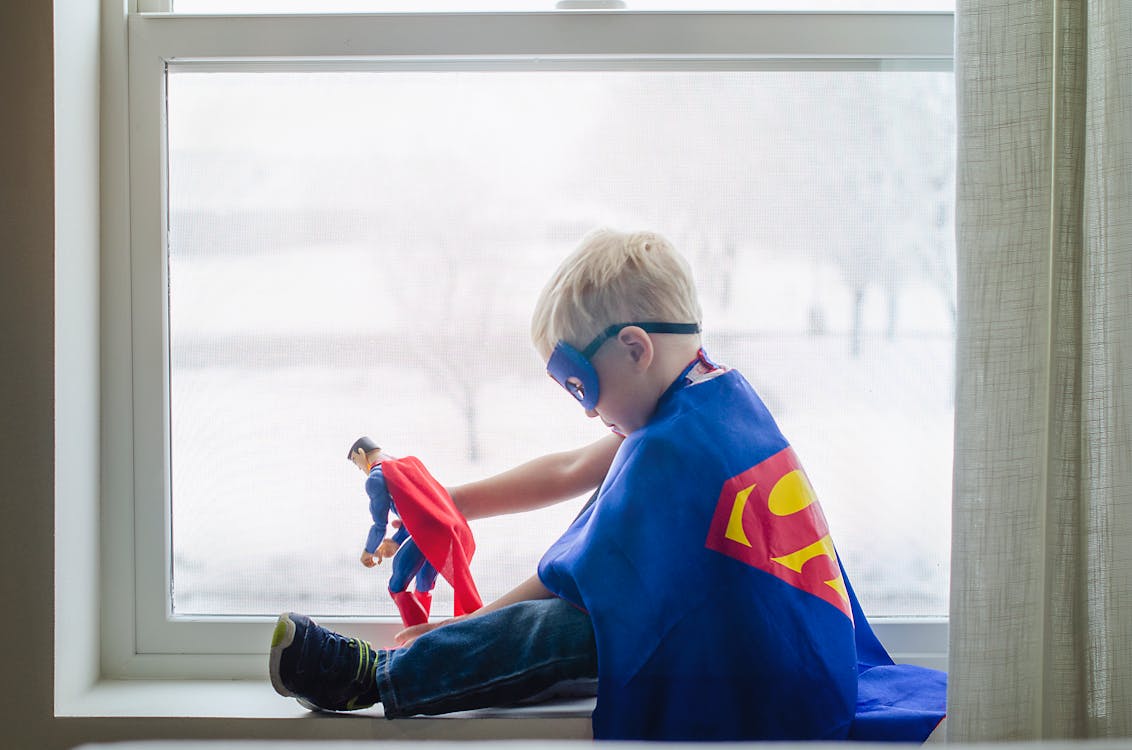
[{"x": 573, "y": 370}]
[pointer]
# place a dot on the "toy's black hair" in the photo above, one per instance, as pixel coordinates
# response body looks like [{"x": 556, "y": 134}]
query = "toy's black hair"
[{"x": 364, "y": 443}]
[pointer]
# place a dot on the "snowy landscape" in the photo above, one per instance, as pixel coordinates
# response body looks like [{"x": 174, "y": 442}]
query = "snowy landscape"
[{"x": 359, "y": 253}]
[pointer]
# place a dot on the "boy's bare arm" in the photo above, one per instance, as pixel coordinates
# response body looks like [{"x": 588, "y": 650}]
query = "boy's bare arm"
[
  {"x": 543, "y": 481},
  {"x": 529, "y": 589}
]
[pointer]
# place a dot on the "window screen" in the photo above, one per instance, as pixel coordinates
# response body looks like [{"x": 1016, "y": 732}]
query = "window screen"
[{"x": 359, "y": 253}]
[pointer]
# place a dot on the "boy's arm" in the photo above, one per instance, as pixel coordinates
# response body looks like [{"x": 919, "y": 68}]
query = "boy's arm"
[
  {"x": 532, "y": 588},
  {"x": 529, "y": 589},
  {"x": 537, "y": 483}
]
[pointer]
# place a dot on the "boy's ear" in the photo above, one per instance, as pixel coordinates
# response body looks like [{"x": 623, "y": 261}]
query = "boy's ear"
[{"x": 638, "y": 344}]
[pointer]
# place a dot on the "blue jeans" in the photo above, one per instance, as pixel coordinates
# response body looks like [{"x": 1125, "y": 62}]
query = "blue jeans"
[{"x": 497, "y": 659}]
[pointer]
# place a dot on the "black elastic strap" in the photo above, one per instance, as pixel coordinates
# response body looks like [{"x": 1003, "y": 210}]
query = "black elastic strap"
[{"x": 647, "y": 327}]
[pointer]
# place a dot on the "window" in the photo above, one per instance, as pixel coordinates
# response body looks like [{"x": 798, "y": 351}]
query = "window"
[{"x": 318, "y": 229}]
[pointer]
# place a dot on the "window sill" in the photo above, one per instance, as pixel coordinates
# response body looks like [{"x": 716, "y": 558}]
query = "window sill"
[
  {"x": 255, "y": 700},
  {"x": 253, "y": 703}
]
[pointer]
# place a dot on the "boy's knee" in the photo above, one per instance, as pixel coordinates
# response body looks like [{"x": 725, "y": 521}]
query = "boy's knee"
[{"x": 557, "y": 619}]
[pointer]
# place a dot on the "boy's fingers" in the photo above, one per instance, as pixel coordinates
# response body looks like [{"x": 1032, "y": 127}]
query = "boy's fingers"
[{"x": 410, "y": 634}]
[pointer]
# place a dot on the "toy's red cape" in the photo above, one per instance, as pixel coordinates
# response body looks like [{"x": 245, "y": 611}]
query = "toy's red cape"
[{"x": 439, "y": 530}]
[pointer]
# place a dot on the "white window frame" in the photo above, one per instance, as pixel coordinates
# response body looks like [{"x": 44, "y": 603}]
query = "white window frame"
[{"x": 139, "y": 639}]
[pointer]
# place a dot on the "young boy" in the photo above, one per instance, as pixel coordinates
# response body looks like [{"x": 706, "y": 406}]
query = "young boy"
[
  {"x": 701, "y": 587},
  {"x": 431, "y": 529}
]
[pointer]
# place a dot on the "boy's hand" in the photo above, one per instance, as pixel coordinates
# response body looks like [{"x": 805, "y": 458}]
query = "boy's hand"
[
  {"x": 405, "y": 638},
  {"x": 368, "y": 559},
  {"x": 388, "y": 548}
]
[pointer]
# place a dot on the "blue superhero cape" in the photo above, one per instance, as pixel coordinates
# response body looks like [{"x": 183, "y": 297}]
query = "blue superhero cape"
[{"x": 719, "y": 606}]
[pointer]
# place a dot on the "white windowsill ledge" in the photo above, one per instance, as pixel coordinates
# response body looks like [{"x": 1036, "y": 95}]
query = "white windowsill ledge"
[
  {"x": 256, "y": 700},
  {"x": 567, "y": 719}
]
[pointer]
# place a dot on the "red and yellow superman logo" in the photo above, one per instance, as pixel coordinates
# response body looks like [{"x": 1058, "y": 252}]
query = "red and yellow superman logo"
[{"x": 768, "y": 517}]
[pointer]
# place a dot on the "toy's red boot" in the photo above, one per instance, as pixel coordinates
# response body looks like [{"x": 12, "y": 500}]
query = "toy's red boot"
[
  {"x": 425, "y": 598},
  {"x": 411, "y": 609}
]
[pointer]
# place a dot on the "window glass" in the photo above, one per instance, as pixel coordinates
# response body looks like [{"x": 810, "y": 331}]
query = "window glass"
[{"x": 358, "y": 253}]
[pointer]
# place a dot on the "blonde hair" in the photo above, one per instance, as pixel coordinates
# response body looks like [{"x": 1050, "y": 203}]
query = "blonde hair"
[{"x": 613, "y": 277}]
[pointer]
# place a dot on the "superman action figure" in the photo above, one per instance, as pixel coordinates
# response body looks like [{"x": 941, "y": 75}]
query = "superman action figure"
[{"x": 433, "y": 537}]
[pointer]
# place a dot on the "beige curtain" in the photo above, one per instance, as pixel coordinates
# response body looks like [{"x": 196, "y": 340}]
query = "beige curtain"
[{"x": 1041, "y": 613}]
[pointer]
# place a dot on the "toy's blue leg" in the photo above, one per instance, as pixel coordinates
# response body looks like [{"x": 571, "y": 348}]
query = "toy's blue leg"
[
  {"x": 406, "y": 563},
  {"x": 426, "y": 578}
]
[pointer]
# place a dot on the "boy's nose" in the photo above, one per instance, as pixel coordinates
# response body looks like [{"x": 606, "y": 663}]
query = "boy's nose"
[{"x": 591, "y": 413}]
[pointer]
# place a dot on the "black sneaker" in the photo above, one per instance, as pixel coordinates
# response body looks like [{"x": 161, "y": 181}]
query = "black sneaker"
[{"x": 324, "y": 670}]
